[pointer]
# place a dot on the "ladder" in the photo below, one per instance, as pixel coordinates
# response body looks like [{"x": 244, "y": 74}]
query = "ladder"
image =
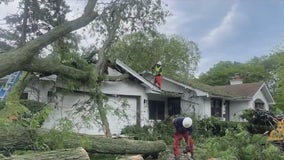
[{"x": 6, "y": 88}]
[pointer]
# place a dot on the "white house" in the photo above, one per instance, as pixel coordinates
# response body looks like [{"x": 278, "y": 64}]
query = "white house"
[{"x": 144, "y": 103}]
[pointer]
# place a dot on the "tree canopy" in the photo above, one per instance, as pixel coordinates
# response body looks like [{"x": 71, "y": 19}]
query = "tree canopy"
[
  {"x": 109, "y": 19},
  {"x": 141, "y": 51},
  {"x": 223, "y": 71},
  {"x": 43, "y": 41}
]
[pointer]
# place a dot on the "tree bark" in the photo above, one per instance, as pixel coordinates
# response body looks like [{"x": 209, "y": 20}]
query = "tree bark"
[
  {"x": 62, "y": 154},
  {"x": 21, "y": 138},
  {"x": 15, "y": 60}
]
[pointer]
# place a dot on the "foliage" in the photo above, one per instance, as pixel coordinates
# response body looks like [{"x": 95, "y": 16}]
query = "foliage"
[
  {"x": 56, "y": 138},
  {"x": 214, "y": 139},
  {"x": 258, "y": 117},
  {"x": 279, "y": 91},
  {"x": 213, "y": 126},
  {"x": 222, "y": 72},
  {"x": 164, "y": 130},
  {"x": 159, "y": 131},
  {"x": 33, "y": 106},
  {"x": 179, "y": 57},
  {"x": 35, "y": 120},
  {"x": 240, "y": 145},
  {"x": 32, "y": 20},
  {"x": 36, "y": 115},
  {"x": 13, "y": 109},
  {"x": 2, "y": 105},
  {"x": 259, "y": 121}
]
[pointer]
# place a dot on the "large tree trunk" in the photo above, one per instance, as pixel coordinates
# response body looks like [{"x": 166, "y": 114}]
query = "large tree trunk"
[
  {"x": 62, "y": 154},
  {"x": 20, "y": 138}
]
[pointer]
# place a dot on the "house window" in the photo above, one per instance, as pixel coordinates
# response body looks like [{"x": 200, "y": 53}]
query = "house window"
[
  {"x": 156, "y": 110},
  {"x": 216, "y": 107},
  {"x": 258, "y": 104},
  {"x": 50, "y": 96},
  {"x": 174, "y": 106},
  {"x": 24, "y": 96}
]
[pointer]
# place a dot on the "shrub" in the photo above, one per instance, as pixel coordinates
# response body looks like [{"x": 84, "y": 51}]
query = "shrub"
[{"x": 159, "y": 131}]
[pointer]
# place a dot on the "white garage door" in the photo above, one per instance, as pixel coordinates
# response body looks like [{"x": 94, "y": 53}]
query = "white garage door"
[{"x": 123, "y": 113}]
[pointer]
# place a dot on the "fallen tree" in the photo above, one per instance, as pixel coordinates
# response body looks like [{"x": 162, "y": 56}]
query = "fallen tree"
[
  {"x": 22, "y": 138},
  {"x": 62, "y": 154}
]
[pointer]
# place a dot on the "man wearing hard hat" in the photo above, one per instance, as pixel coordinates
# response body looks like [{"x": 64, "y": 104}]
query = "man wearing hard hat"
[
  {"x": 183, "y": 129},
  {"x": 157, "y": 71}
]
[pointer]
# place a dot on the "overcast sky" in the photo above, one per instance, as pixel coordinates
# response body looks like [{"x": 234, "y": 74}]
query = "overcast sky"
[{"x": 225, "y": 30}]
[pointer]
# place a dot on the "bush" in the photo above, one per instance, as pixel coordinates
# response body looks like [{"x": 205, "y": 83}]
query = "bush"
[
  {"x": 159, "y": 131},
  {"x": 2, "y": 104},
  {"x": 240, "y": 144},
  {"x": 214, "y": 127},
  {"x": 33, "y": 106}
]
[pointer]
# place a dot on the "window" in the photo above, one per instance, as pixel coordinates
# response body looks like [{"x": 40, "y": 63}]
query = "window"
[
  {"x": 216, "y": 107},
  {"x": 50, "y": 96},
  {"x": 258, "y": 104},
  {"x": 156, "y": 110},
  {"x": 174, "y": 106},
  {"x": 24, "y": 96}
]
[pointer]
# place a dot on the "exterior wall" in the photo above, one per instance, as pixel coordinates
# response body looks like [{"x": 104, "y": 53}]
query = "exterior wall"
[
  {"x": 168, "y": 86},
  {"x": 236, "y": 109},
  {"x": 136, "y": 97},
  {"x": 200, "y": 106},
  {"x": 130, "y": 89},
  {"x": 118, "y": 93},
  {"x": 204, "y": 109},
  {"x": 37, "y": 90},
  {"x": 260, "y": 95}
]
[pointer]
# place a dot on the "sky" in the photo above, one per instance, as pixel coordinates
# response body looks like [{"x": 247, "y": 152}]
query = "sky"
[
  {"x": 227, "y": 30},
  {"x": 224, "y": 30}
]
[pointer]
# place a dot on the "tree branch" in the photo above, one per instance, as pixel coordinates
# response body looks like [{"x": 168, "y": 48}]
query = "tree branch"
[
  {"x": 51, "y": 65},
  {"x": 14, "y": 60}
]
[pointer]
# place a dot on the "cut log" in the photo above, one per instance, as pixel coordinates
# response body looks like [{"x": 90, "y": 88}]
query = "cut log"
[
  {"x": 62, "y": 154},
  {"x": 21, "y": 138}
]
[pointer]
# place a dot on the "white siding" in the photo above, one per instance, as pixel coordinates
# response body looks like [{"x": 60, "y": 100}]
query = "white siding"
[
  {"x": 129, "y": 89},
  {"x": 204, "y": 109},
  {"x": 117, "y": 93},
  {"x": 38, "y": 91},
  {"x": 259, "y": 95},
  {"x": 237, "y": 108},
  {"x": 116, "y": 123}
]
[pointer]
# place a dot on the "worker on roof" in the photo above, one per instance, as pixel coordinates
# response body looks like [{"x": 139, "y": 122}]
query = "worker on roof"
[{"x": 157, "y": 71}]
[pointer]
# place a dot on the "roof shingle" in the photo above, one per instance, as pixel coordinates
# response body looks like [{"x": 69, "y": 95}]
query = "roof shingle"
[{"x": 246, "y": 90}]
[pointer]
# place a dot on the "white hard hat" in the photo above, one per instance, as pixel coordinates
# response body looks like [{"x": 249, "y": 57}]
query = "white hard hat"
[
  {"x": 159, "y": 63},
  {"x": 187, "y": 122}
]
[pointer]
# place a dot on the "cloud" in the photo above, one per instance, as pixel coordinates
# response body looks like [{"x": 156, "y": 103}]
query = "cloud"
[
  {"x": 223, "y": 30},
  {"x": 178, "y": 20}
]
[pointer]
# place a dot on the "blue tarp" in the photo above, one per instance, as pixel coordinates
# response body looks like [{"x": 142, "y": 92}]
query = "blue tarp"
[{"x": 5, "y": 89}]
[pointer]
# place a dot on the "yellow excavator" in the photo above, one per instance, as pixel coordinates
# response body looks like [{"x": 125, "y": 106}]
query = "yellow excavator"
[
  {"x": 274, "y": 123},
  {"x": 277, "y": 135}
]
